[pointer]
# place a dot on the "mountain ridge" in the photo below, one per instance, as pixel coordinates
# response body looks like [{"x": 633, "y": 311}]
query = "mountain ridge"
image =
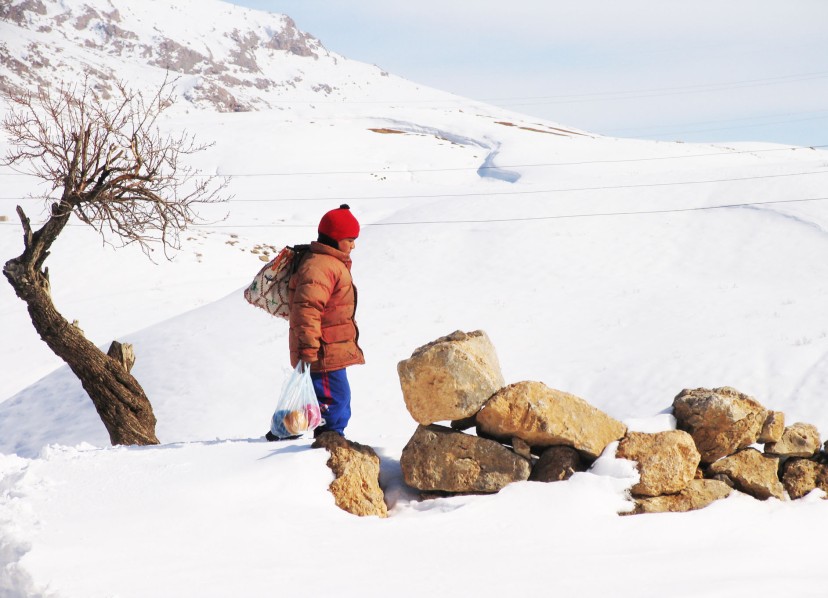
[{"x": 228, "y": 59}]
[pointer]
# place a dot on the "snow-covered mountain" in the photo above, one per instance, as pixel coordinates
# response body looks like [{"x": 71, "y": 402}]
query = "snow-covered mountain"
[
  {"x": 619, "y": 270},
  {"x": 227, "y": 58}
]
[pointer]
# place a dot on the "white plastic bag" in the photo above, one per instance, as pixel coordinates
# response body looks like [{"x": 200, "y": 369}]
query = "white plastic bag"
[{"x": 297, "y": 410}]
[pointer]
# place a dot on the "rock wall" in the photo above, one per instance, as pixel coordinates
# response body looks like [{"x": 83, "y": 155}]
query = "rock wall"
[{"x": 725, "y": 441}]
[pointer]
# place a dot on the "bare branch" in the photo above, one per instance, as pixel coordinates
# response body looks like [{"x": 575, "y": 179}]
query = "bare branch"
[
  {"x": 115, "y": 169},
  {"x": 27, "y": 228}
]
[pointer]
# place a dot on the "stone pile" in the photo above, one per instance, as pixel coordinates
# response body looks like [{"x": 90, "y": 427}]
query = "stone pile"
[
  {"x": 524, "y": 431},
  {"x": 725, "y": 440},
  {"x": 748, "y": 447}
]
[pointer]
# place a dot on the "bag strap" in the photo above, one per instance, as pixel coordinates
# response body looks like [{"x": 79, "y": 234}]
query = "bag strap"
[{"x": 300, "y": 252}]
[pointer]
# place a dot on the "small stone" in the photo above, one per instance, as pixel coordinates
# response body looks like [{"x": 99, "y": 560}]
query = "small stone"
[
  {"x": 801, "y": 476},
  {"x": 521, "y": 448},
  {"x": 465, "y": 423},
  {"x": 773, "y": 427},
  {"x": 724, "y": 479},
  {"x": 556, "y": 464},
  {"x": 752, "y": 473},
  {"x": 798, "y": 440},
  {"x": 697, "y": 495}
]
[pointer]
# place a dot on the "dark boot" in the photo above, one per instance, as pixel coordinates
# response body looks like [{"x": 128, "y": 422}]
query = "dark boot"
[{"x": 273, "y": 438}]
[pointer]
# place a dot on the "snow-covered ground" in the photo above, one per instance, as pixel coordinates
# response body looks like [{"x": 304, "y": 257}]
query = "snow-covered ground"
[{"x": 619, "y": 270}]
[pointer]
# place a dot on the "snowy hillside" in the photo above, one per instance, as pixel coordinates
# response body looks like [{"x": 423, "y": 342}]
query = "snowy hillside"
[
  {"x": 619, "y": 270},
  {"x": 227, "y": 58}
]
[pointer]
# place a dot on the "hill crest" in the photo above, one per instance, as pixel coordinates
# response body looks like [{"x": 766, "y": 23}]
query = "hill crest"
[{"x": 227, "y": 59}]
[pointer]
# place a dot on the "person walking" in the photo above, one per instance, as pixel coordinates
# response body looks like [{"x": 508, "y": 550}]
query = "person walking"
[{"x": 323, "y": 329}]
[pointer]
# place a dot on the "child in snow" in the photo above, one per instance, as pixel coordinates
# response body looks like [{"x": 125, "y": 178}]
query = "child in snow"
[{"x": 323, "y": 331}]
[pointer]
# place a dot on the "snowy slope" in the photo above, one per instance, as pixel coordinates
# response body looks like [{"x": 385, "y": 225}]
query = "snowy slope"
[
  {"x": 603, "y": 267},
  {"x": 223, "y": 57}
]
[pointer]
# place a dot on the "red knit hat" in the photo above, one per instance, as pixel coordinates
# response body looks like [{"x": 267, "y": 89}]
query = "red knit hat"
[{"x": 339, "y": 224}]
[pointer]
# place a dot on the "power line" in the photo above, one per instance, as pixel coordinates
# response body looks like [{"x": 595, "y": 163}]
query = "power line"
[
  {"x": 532, "y": 191},
  {"x": 604, "y": 214},
  {"x": 517, "y": 219},
  {"x": 525, "y": 192},
  {"x": 539, "y": 218},
  {"x": 792, "y": 148}
]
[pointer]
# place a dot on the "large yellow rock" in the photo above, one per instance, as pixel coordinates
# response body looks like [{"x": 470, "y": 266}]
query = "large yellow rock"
[
  {"x": 666, "y": 461},
  {"x": 450, "y": 378},
  {"x": 721, "y": 421},
  {"x": 438, "y": 458},
  {"x": 543, "y": 416}
]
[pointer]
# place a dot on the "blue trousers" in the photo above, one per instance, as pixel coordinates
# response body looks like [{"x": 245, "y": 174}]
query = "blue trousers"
[{"x": 334, "y": 395}]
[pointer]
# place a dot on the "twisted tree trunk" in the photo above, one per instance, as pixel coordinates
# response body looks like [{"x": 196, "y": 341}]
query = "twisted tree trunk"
[
  {"x": 120, "y": 401},
  {"x": 120, "y": 175}
]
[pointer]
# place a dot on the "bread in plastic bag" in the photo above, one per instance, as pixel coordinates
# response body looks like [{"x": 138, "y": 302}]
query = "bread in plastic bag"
[{"x": 297, "y": 410}]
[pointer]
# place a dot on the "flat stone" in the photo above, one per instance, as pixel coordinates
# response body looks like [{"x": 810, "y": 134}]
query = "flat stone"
[
  {"x": 798, "y": 440},
  {"x": 543, "y": 416},
  {"x": 697, "y": 495},
  {"x": 751, "y": 472}
]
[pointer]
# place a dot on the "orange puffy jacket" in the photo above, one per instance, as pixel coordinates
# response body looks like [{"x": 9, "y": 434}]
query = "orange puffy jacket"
[{"x": 323, "y": 301}]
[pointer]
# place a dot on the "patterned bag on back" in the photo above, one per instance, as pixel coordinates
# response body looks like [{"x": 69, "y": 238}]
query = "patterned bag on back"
[{"x": 269, "y": 289}]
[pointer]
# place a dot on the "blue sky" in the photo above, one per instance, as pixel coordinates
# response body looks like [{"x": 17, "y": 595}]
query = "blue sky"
[{"x": 706, "y": 70}]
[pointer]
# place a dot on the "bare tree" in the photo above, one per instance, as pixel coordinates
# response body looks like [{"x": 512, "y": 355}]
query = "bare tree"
[{"x": 115, "y": 171}]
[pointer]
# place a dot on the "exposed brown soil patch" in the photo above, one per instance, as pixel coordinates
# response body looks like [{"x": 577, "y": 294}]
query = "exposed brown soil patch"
[
  {"x": 549, "y": 131},
  {"x": 388, "y": 131}
]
